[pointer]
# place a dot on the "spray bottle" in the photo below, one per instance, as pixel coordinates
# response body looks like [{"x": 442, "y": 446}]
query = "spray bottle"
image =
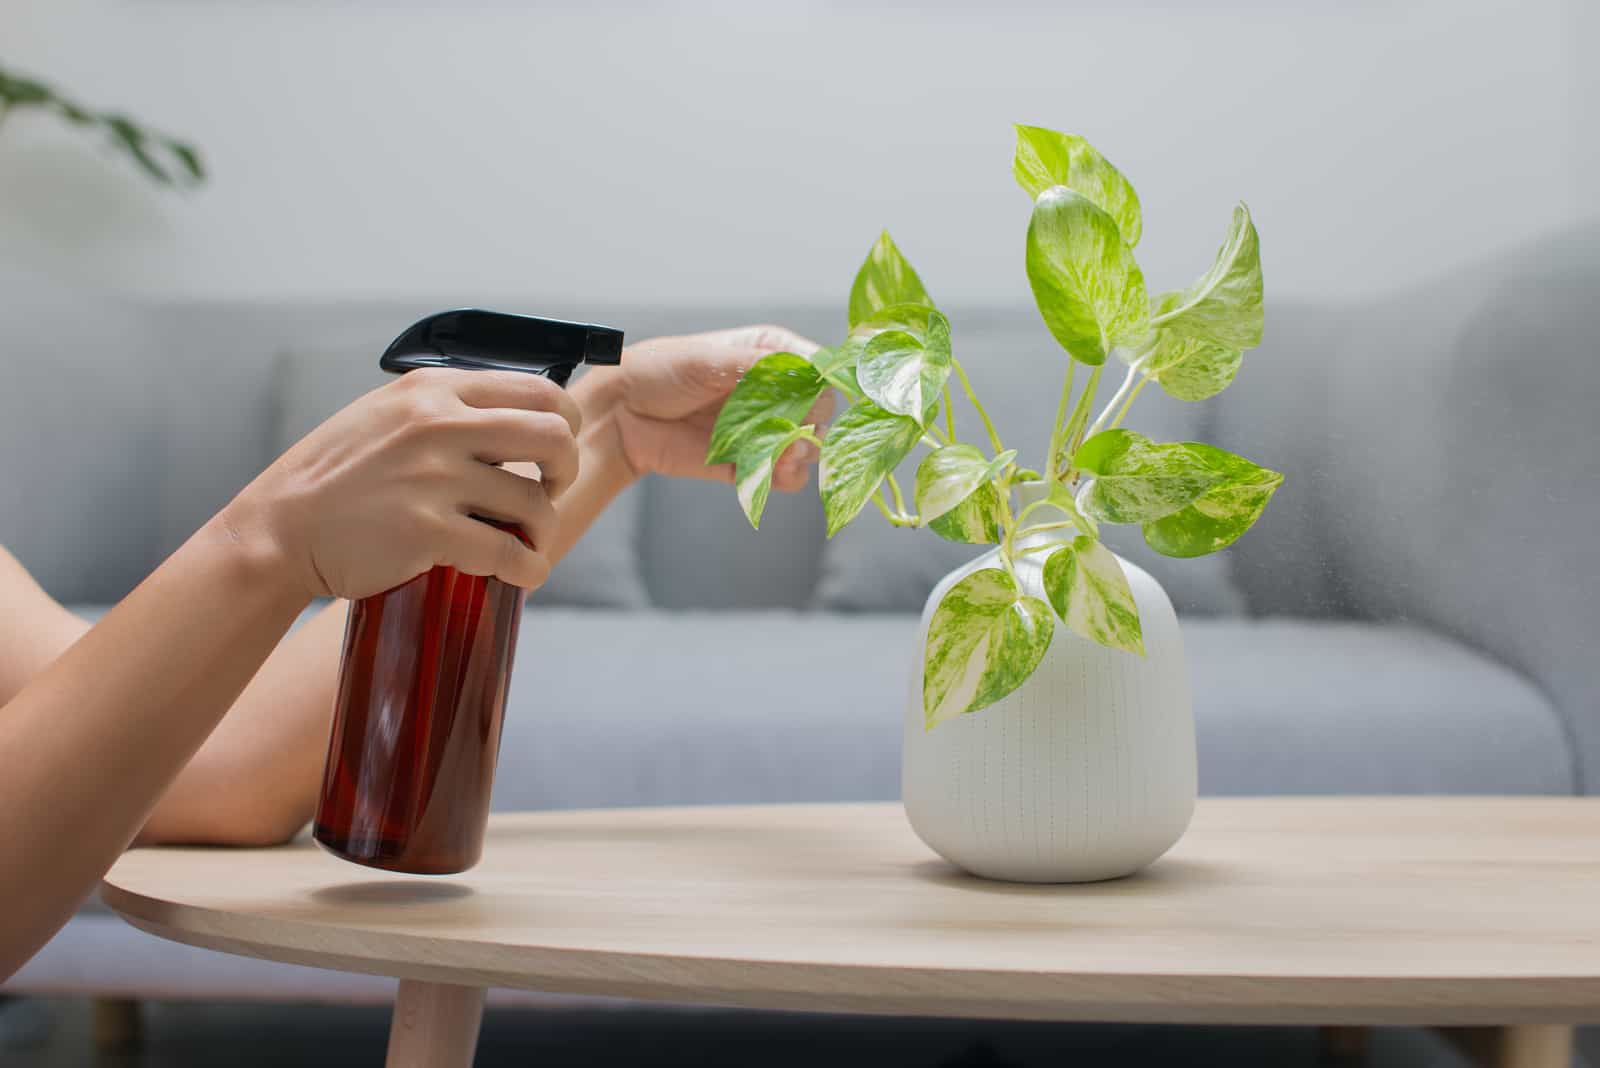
[{"x": 426, "y": 665}]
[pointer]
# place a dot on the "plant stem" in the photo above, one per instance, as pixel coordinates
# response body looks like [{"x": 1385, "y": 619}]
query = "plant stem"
[
  {"x": 1129, "y": 402},
  {"x": 1061, "y": 419},
  {"x": 1116, "y": 398},
  {"x": 842, "y": 386},
  {"x": 949, "y": 413},
  {"x": 899, "y": 500},
  {"x": 895, "y": 519},
  {"x": 1080, "y": 414},
  {"x": 1040, "y": 528},
  {"x": 966, "y": 386}
]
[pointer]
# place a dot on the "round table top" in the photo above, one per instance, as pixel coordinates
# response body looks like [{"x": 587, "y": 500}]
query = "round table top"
[{"x": 1270, "y": 910}]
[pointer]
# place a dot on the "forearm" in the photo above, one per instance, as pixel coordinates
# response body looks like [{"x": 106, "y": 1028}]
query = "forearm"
[
  {"x": 91, "y": 743},
  {"x": 275, "y": 739}
]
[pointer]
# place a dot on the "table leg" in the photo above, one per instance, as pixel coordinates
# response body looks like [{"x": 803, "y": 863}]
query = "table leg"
[
  {"x": 1534, "y": 1046},
  {"x": 435, "y": 1025},
  {"x": 1517, "y": 1046},
  {"x": 1344, "y": 1045}
]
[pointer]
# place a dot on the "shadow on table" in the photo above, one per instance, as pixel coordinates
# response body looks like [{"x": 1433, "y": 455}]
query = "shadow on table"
[
  {"x": 1163, "y": 877},
  {"x": 390, "y": 893}
]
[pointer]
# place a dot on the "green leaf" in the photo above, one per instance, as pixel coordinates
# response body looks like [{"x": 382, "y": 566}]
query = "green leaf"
[
  {"x": 24, "y": 92},
  {"x": 1136, "y": 479},
  {"x": 975, "y": 521},
  {"x": 781, "y": 385},
  {"x": 189, "y": 156},
  {"x": 984, "y": 640},
  {"x": 885, "y": 279},
  {"x": 1218, "y": 517},
  {"x": 1189, "y": 369},
  {"x": 1089, "y": 289},
  {"x": 837, "y": 366},
  {"x": 759, "y": 449},
  {"x": 864, "y": 445},
  {"x": 1045, "y": 158},
  {"x": 133, "y": 141},
  {"x": 1090, "y": 593},
  {"x": 905, "y": 374},
  {"x": 914, "y": 319},
  {"x": 1224, "y": 306},
  {"x": 949, "y": 475}
]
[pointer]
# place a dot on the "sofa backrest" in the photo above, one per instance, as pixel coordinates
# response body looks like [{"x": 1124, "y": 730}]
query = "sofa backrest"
[
  {"x": 1448, "y": 437},
  {"x": 1439, "y": 443}
]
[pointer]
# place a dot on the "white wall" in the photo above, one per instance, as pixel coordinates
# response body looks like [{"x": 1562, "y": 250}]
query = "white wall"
[{"x": 745, "y": 153}]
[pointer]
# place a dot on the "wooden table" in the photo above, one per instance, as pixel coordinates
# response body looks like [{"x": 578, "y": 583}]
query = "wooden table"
[{"x": 1326, "y": 911}]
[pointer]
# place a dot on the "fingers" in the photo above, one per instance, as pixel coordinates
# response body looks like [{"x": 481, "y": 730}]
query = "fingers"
[
  {"x": 507, "y": 389},
  {"x": 766, "y": 338},
  {"x": 512, "y": 498},
  {"x": 479, "y": 549},
  {"x": 502, "y": 435},
  {"x": 672, "y": 377},
  {"x": 793, "y": 469}
]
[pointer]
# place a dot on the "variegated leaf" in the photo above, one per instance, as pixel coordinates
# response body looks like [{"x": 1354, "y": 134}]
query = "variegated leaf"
[
  {"x": 905, "y": 374},
  {"x": 863, "y": 446},
  {"x": 975, "y": 521},
  {"x": 1189, "y": 369},
  {"x": 1224, "y": 306},
  {"x": 1087, "y": 285},
  {"x": 759, "y": 449},
  {"x": 984, "y": 640},
  {"x": 1222, "y": 514},
  {"x": 1045, "y": 158},
  {"x": 1136, "y": 479},
  {"x": 885, "y": 279},
  {"x": 949, "y": 475},
  {"x": 782, "y": 385},
  {"x": 1090, "y": 593}
]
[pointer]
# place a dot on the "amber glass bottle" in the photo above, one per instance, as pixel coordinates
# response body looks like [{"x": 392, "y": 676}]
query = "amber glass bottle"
[
  {"x": 417, "y": 723},
  {"x": 426, "y": 666}
]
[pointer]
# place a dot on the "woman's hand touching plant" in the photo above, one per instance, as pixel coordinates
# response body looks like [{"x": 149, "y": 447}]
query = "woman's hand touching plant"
[
  {"x": 662, "y": 400},
  {"x": 897, "y": 367}
]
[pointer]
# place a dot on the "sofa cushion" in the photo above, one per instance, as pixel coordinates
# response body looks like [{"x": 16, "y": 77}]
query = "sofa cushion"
[
  {"x": 682, "y": 708},
  {"x": 83, "y": 434},
  {"x": 1306, "y": 707},
  {"x": 314, "y": 382},
  {"x": 1016, "y": 370}
]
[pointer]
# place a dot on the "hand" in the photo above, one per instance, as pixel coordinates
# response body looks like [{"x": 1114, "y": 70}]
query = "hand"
[
  {"x": 384, "y": 490},
  {"x": 665, "y": 396}
]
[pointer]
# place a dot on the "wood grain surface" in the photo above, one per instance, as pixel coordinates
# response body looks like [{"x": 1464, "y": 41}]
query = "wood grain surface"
[{"x": 1270, "y": 910}]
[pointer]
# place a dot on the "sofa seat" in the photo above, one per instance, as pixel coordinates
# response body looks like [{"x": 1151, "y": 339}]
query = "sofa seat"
[{"x": 692, "y": 708}]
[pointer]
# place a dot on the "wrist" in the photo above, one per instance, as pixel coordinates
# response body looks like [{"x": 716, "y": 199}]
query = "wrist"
[
  {"x": 257, "y": 554},
  {"x": 604, "y": 462},
  {"x": 599, "y": 394}
]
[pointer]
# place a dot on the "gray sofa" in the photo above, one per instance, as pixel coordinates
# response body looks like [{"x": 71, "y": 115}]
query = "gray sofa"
[{"x": 1417, "y": 612}]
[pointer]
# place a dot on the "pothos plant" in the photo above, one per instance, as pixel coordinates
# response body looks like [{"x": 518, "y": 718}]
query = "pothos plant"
[{"x": 896, "y": 365}]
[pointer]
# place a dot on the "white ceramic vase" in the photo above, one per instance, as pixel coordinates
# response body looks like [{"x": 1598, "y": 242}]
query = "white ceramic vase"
[{"x": 1084, "y": 772}]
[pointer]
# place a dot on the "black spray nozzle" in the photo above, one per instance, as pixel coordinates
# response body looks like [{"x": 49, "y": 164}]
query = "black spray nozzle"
[{"x": 485, "y": 340}]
